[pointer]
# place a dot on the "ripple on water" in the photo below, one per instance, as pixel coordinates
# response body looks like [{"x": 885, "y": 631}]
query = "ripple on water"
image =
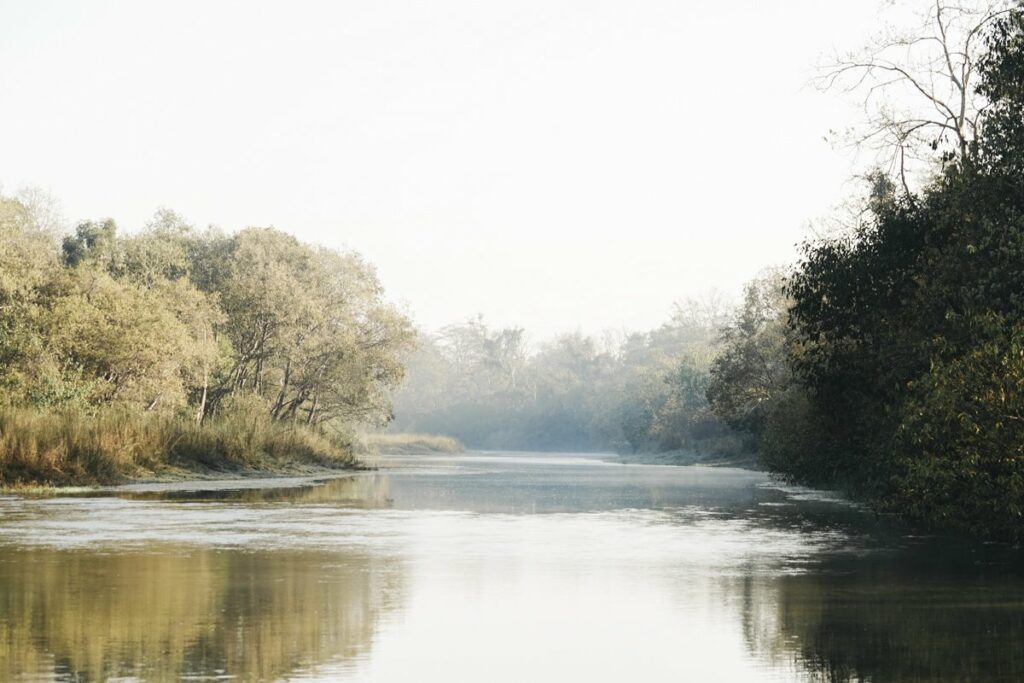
[{"x": 683, "y": 538}]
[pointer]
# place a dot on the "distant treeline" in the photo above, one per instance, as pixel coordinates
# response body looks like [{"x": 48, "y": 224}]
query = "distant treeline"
[
  {"x": 234, "y": 344},
  {"x": 643, "y": 392},
  {"x": 890, "y": 361}
]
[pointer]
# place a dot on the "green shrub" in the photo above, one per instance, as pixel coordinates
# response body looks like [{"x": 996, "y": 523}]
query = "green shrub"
[{"x": 960, "y": 445}]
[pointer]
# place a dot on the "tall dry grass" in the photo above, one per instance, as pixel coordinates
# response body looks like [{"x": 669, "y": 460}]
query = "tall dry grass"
[{"x": 75, "y": 448}]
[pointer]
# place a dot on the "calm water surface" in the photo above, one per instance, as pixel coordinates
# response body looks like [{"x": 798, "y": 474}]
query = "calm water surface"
[{"x": 496, "y": 567}]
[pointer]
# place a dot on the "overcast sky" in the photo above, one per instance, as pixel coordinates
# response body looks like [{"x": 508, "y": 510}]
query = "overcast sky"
[{"x": 555, "y": 164}]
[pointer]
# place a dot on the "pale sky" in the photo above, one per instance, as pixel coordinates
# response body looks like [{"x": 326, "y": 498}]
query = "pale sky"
[{"x": 556, "y": 164}]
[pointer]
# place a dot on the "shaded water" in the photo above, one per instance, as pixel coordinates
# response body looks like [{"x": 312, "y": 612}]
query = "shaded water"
[{"x": 495, "y": 567}]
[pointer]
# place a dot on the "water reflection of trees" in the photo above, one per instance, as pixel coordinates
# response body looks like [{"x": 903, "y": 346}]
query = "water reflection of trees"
[
  {"x": 889, "y": 619},
  {"x": 88, "y": 617}
]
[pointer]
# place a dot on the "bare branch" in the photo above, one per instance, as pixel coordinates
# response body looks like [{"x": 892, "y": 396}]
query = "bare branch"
[{"x": 909, "y": 75}]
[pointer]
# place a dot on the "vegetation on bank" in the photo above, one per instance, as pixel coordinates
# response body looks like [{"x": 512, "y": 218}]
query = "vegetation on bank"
[
  {"x": 175, "y": 347},
  {"x": 408, "y": 444},
  {"x": 889, "y": 362},
  {"x": 63, "y": 448}
]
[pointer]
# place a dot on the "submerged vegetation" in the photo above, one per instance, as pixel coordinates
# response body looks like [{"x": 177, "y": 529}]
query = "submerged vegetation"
[{"x": 170, "y": 346}]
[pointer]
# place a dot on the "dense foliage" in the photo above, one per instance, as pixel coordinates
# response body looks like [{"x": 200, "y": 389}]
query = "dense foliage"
[
  {"x": 188, "y": 326},
  {"x": 903, "y": 340}
]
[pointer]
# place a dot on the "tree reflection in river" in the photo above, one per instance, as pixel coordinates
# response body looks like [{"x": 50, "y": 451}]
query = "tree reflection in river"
[
  {"x": 86, "y": 616},
  {"x": 927, "y": 614},
  {"x": 365, "y": 492}
]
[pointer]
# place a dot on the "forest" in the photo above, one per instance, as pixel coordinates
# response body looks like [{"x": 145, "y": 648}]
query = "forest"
[
  {"x": 171, "y": 346},
  {"x": 631, "y": 393}
]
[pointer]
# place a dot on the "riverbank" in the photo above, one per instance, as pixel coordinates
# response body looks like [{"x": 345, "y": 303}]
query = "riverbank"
[
  {"x": 408, "y": 444},
  {"x": 180, "y": 480},
  {"x": 39, "y": 448}
]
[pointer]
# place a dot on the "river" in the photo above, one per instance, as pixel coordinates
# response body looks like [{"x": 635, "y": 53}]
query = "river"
[{"x": 496, "y": 567}]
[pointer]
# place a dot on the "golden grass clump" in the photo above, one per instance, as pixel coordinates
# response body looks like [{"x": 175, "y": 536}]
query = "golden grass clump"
[{"x": 39, "y": 447}]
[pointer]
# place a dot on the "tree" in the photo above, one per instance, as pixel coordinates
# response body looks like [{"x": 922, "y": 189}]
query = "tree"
[
  {"x": 160, "y": 252},
  {"x": 920, "y": 85},
  {"x": 125, "y": 336},
  {"x": 308, "y": 328},
  {"x": 94, "y": 241},
  {"x": 1002, "y": 72},
  {"x": 960, "y": 445},
  {"x": 905, "y": 335},
  {"x": 29, "y": 270},
  {"x": 751, "y": 370}
]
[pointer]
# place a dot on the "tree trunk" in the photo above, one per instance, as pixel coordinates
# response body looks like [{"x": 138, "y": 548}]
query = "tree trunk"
[
  {"x": 275, "y": 412},
  {"x": 312, "y": 410},
  {"x": 201, "y": 411}
]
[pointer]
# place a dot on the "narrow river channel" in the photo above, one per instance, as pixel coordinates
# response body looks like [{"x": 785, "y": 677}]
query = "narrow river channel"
[{"x": 496, "y": 567}]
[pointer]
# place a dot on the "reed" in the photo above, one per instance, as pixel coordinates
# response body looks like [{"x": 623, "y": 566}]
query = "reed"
[{"x": 62, "y": 448}]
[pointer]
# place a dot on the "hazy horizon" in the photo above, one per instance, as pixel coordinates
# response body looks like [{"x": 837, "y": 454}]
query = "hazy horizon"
[{"x": 556, "y": 165}]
